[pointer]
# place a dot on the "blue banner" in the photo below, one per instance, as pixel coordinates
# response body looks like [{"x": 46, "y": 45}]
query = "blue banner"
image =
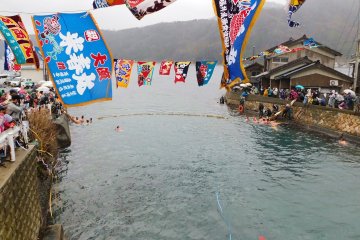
[
  {"x": 236, "y": 19},
  {"x": 204, "y": 71},
  {"x": 77, "y": 57}
]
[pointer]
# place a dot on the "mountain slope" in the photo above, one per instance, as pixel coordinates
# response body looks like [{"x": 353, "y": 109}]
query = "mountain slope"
[{"x": 333, "y": 24}]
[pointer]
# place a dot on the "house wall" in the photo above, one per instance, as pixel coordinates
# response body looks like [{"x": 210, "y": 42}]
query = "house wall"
[
  {"x": 250, "y": 70},
  {"x": 318, "y": 80},
  {"x": 34, "y": 75}
]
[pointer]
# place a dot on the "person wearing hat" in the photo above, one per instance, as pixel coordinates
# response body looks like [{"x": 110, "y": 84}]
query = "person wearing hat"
[{"x": 14, "y": 109}]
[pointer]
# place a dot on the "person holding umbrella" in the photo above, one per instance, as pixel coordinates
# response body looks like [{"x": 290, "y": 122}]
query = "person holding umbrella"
[{"x": 301, "y": 87}]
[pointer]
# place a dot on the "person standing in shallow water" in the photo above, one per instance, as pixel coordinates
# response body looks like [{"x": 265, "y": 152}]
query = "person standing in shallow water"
[
  {"x": 261, "y": 110},
  {"x": 342, "y": 140}
]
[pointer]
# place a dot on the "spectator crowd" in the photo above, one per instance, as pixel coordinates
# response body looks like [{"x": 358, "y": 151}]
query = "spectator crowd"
[{"x": 347, "y": 100}]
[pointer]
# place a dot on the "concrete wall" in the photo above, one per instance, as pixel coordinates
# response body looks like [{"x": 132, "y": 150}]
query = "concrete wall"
[
  {"x": 315, "y": 116},
  {"x": 20, "y": 214}
]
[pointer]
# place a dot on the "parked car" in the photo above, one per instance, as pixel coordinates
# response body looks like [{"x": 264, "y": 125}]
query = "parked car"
[
  {"x": 27, "y": 83},
  {"x": 15, "y": 82}
]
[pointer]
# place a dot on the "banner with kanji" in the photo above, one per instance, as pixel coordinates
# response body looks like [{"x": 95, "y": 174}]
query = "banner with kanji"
[
  {"x": 79, "y": 62},
  {"x": 236, "y": 19},
  {"x": 204, "y": 71},
  {"x": 181, "y": 69},
  {"x": 165, "y": 67},
  {"x": 145, "y": 73},
  {"x": 123, "y": 70},
  {"x": 16, "y": 36},
  {"x": 9, "y": 60}
]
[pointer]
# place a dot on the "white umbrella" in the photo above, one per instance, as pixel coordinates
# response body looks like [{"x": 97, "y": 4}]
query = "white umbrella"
[
  {"x": 352, "y": 93},
  {"x": 44, "y": 89},
  {"x": 248, "y": 84},
  {"x": 339, "y": 97},
  {"x": 243, "y": 85},
  {"x": 48, "y": 84}
]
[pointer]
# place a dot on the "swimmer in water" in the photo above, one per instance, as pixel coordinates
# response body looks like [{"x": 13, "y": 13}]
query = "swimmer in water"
[
  {"x": 247, "y": 119},
  {"x": 274, "y": 123},
  {"x": 255, "y": 120},
  {"x": 342, "y": 140},
  {"x": 118, "y": 129}
]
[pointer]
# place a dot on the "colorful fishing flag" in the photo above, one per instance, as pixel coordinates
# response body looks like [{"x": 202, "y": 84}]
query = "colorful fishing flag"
[
  {"x": 16, "y": 36},
  {"x": 294, "y": 5},
  {"x": 165, "y": 67},
  {"x": 79, "y": 62},
  {"x": 204, "y": 71},
  {"x": 107, "y": 3},
  {"x": 282, "y": 49},
  {"x": 9, "y": 62},
  {"x": 236, "y": 19},
  {"x": 310, "y": 42},
  {"x": 141, "y": 8},
  {"x": 145, "y": 73},
  {"x": 297, "y": 49},
  {"x": 123, "y": 70},
  {"x": 181, "y": 69}
]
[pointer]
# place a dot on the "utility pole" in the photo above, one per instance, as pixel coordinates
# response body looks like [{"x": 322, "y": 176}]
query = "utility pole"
[
  {"x": 357, "y": 62},
  {"x": 253, "y": 53}
]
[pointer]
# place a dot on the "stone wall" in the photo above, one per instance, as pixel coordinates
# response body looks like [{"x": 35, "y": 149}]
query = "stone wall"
[
  {"x": 20, "y": 214},
  {"x": 315, "y": 116}
]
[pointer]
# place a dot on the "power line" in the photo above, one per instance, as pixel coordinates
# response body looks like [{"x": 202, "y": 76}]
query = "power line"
[
  {"x": 357, "y": 32},
  {"x": 35, "y": 13},
  {"x": 343, "y": 28}
]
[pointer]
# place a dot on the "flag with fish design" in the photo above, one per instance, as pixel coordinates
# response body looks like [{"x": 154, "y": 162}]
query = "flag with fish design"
[
  {"x": 311, "y": 43},
  {"x": 145, "y": 73},
  {"x": 181, "y": 70},
  {"x": 204, "y": 71},
  {"x": 123, "y": 70},
  {"x": 141, "y": 8},
  {"x": 294, "y": 6},
  {"x": 9, "y": 60},
  {"x": 236, "y": 19},
  {"x": 16, "y": 36},
  {"x": 165, "y": 67},
  {"x": 107, "y": 3},
  {"x": 79, "y": 62},
  {"x": 281, "y": 49}
]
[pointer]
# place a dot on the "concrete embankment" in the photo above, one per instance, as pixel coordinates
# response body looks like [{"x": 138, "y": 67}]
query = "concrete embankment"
[
  {"x": 24, "y": 200},
  {"x": 20, "y": 211},
  {"x": 318, "y": 118}
]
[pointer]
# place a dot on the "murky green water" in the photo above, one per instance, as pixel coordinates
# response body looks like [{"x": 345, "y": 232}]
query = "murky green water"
[{"x": 159, "y": 177}]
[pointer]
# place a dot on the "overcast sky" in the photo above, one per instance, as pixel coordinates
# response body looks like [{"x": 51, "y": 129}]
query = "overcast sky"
[{"x": 113, "y": 18}]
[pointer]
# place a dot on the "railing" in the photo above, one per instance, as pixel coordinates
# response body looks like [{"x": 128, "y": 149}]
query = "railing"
[{"x": 7, "y": 138}]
